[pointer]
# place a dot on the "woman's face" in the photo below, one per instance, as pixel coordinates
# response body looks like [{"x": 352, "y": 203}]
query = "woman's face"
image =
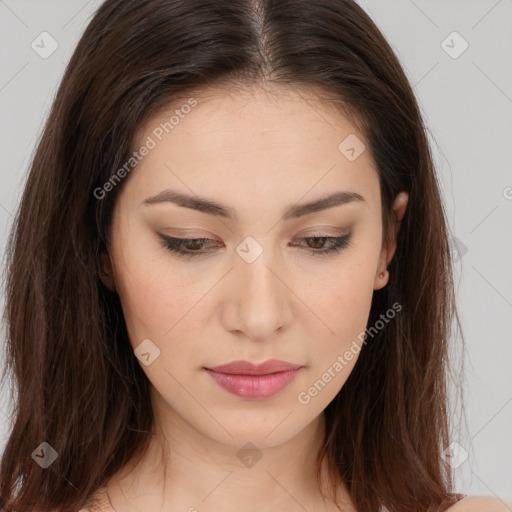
[{"x": 262, "y": 286}]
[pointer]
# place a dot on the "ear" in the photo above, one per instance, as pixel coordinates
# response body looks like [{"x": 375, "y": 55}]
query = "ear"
[
  {"x": 387, "y": 252},
  {"x": 106, "y": 272}
]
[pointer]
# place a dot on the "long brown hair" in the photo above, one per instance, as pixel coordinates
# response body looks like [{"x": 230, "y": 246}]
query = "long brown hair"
[{"x": 76, "y": 381}]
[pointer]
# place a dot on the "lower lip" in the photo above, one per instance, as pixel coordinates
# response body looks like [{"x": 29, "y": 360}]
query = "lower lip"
[{"x": 253, "y": 386}]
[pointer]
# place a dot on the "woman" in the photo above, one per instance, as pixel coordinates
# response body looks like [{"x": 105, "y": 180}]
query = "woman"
[{"x": 229, "y": 283}]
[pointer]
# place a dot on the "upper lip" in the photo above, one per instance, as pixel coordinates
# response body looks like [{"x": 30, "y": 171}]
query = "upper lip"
[{"x": 249, "y": 368}]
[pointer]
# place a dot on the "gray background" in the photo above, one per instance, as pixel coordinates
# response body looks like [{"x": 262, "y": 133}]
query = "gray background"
[{"x": 466, "y": 99}]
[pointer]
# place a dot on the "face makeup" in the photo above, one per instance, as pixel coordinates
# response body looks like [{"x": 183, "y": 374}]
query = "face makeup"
[{"x": 254, "y": 381}]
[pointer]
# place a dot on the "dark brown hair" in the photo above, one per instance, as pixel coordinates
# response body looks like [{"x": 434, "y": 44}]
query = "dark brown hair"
[{"x": 77, "y": 383}]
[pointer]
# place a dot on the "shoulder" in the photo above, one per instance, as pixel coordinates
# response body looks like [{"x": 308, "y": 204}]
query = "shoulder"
[{"x": 481, "y": 504}]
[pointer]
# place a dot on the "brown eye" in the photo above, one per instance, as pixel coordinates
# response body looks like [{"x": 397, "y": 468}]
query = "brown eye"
[
  {"x": 190, "y": 247},
  {"x": 185, "y": 246},
  {"x": 316, "y": 243}
]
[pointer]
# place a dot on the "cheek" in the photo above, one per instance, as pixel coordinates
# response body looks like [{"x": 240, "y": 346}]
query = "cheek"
[
  {"x": 159, "y": 308},
  {"x": 343, "y": 303},
  {"x": 342, "y": 299},
  {"x": 154, "y": 296}
]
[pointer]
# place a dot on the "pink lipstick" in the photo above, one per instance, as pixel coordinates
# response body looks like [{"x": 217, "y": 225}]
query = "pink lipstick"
[{"x": 253, "y": 381}]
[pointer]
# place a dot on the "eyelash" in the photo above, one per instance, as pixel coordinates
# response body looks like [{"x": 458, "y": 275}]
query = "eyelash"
[{"x": 175, "y": 245}]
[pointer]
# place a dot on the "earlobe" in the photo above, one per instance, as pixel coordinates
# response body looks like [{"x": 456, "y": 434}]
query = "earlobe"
[{"x": 382, "y": 278}]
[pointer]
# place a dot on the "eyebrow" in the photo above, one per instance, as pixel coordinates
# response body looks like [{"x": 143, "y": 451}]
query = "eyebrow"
[{"x": 212, "y": 207}]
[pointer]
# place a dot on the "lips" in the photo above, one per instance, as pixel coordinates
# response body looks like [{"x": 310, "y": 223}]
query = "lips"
[
  {"x": 249, "y": 368},
  {"x": 254, "y": 381}
]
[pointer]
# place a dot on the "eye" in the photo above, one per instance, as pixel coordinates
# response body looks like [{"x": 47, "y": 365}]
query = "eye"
[
  {"x": 177, "y": 245},
  {"x": 191, "y": 247},
  {"x": 337, "y": 243}
]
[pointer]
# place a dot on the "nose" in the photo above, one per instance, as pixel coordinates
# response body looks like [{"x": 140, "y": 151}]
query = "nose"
[{"x": 259, "y": 303}]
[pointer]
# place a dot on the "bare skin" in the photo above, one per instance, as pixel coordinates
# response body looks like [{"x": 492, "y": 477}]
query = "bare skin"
[{"x": 257, "y": 154}]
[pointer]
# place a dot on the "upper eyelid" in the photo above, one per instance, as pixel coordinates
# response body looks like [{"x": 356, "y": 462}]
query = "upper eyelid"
[
  {"x": 190, "y": 233},
  {"x": 208, "y": 239}
]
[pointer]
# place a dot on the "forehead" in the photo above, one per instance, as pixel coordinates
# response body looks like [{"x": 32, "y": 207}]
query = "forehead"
[
  {"x": 223, "y": 118},
  {"x": 279, "y": 146}
]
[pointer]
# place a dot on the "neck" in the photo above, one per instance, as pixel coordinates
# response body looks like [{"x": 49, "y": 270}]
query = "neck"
[{"x": 184, "y": 468}]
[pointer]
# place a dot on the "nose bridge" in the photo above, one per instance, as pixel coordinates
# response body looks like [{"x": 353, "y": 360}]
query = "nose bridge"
[
  {"x": 260, "y": 293},
  {"x": 259, "y": 277}
]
